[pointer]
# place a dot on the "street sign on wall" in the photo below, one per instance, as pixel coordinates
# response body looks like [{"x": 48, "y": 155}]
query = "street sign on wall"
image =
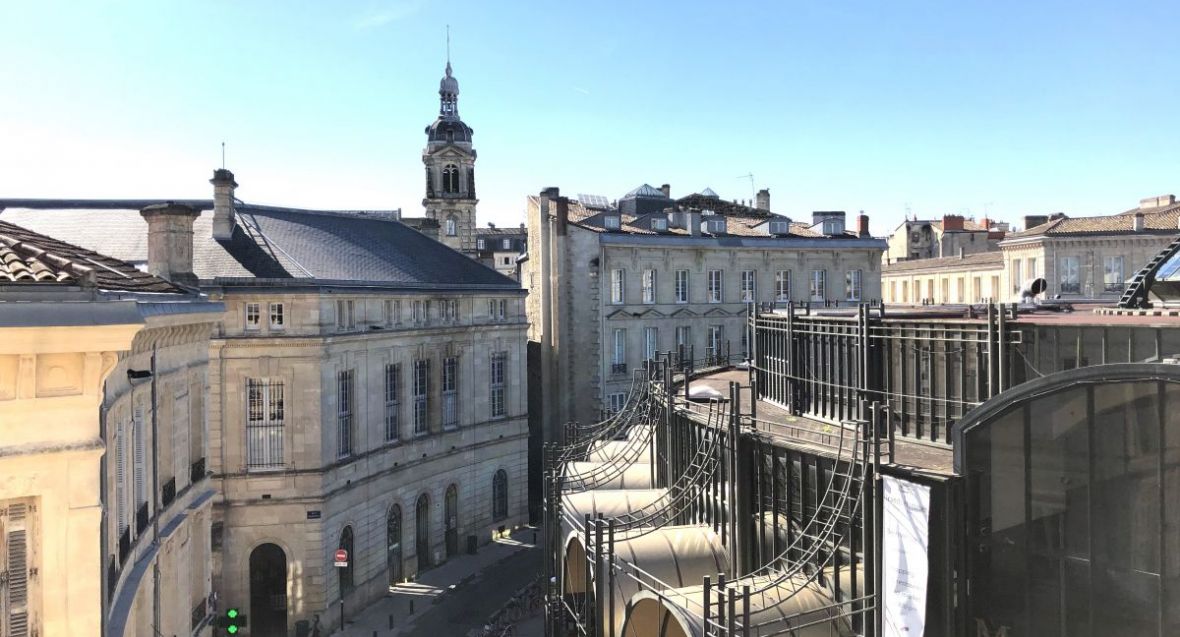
[{"x": 341, "y": 558}]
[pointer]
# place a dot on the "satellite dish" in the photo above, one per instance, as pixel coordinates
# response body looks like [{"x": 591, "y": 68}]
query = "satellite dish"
[
  {"x": 1032, "y": 288},
  {"x": 704, "y": 394}
]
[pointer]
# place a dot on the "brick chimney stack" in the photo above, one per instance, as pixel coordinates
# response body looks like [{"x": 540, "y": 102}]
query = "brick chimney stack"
[
  {"x": 170, "y": 241},
  {"x": 223, "y": 204},
  {"x": 862, "y": 225},
  {"x": 763, "y": 200},
  {"x": 952, "y": 222},
  {"x": 667, "y": 190}
]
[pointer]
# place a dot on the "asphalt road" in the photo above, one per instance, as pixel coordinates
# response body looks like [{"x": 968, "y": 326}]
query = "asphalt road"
[{"x": 470, "y": 605}]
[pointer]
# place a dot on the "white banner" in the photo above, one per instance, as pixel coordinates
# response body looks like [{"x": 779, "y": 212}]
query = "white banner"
[{"x": 905, "y": 563}]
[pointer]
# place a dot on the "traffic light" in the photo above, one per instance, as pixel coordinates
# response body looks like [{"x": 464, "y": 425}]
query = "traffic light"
[{"x": 232, "y": 621}]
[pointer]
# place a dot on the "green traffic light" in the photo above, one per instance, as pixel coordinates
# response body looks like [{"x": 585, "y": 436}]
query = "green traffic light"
[
  {"x": 232, "y": 630},
  {"x": 231, "y": 613}
]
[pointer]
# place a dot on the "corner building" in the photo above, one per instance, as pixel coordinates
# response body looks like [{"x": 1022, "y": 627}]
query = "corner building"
[{"x": 365, "y": 391}]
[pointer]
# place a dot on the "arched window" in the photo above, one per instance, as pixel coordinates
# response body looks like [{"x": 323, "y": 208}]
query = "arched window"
[
  {"x": 422, "y": 536},
  {"x": 500, "y": 495},
  {"x": 346, "y": 572},
  {"x": 452, "y": 227},
  {"x": 450, "y": 179},
  {"x": 393, "y": 543}
]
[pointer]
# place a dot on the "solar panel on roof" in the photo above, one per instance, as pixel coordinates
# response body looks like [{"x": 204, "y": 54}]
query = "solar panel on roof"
[{"x": 594, "y": 201}]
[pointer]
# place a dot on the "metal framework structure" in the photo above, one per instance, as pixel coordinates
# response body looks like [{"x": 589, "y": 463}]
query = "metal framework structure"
[{"x": 743, "y": 527}]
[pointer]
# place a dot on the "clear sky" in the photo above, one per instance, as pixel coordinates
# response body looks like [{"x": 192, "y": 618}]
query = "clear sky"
[{"x": 948, "y": 106}]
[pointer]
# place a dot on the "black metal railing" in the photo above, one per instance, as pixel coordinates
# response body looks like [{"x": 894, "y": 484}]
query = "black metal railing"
[
  {"x": 200, "y": 611},
  {"x": 141, "y": 519},
  {"x": 618, "y": 368},
  {"x": 168, "y": 492},
  {"x": 197, "y": 471},
  {"x": 112, "y": 577},
  {"x": 124, "y": 545}
]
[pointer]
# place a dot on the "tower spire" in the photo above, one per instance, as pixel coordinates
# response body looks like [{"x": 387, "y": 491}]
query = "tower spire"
[{"x": 448, "y": 48}]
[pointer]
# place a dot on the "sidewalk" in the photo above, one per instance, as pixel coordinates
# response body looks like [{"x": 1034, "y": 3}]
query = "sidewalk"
[{"x": 443, "y": 586}]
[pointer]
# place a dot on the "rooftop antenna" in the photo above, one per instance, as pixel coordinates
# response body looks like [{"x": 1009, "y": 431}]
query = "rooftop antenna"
[
  {"x": 448, "y": 45},
  {"x": 749, "y": 176},
  {"x": 223, "y": 155}
]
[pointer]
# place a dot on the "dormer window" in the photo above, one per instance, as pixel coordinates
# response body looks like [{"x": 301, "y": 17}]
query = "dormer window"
[
  {"x": 611, "y": 222},
  {"x": 715, "y": 226},
  {"x": 659, "y": 225},
  {"x": 780, "y": 227},
  {"x": 833, "y": 226}
]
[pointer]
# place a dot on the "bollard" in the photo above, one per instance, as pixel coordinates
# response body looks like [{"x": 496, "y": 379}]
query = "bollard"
[
  {"x": 411, "y": 607},
  {"x": 391, "y": 621}
]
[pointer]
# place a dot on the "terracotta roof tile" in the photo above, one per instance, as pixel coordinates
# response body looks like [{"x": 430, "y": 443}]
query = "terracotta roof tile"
[
  {"x": 989, "y": 259},
  {"x": 1162, "y": 221}
]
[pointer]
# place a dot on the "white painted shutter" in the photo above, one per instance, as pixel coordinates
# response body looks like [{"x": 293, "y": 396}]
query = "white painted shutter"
[
  {"x": 140, "y": 456},
  {"x": 120, "y": 477},
  {"x": 14, "y": 604},
  {"x": 180, "y": 438}
]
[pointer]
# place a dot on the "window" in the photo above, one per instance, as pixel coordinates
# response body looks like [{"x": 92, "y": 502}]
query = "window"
[
  {"x": 1068, "y": 275},
  {"x": 1017, "y": 275},
  {"x": 649, "y": 286},
  {"x": 611, "y": 222},
  {"x": 833, "y": 226},
  {"x": 682, "y": 286},
  {"x": 393, "y": 400},
  {"x": 277, "y": 319},
  {"x": 651, "y": 338},
  {"x": 779, "y": 227},
  {"x": 945, "y": 286},
  {"x": 345, "y": 320},
  {"x": 506, "y": 244},
  {"x": 426, "y": 311},
  {"x": 905, "y": 291},
  {"x": 450, "y": 310},
  {"x": 782, "y": 285},
  {"x": 683, "y": 337},
  {"x": 1032, "y": 267},
  {"x": 1112, "y": 274},
  {"x": 506, "y": 261},
  {"x": 480, "y": 244},
  {"x": 421, "y": 391},
  {"x": 450, "y": 382},
  {"x": 852, "y": 285},
  {"x": 960, "y": 289},
  {"x": 819, "y": 285},
  {"x": 502, "y": 309},
  {"x": 417, "y": 311},
  {"x": 140, "y": 474},
  {"x": 345, "y": 383},
  {"x": 619, "y": 357},
  {"x": 715, "y": 226},
  {"x": 995, "y": 285},
  {"x": 659, "y": 224},
  {"x": 499, "y": 363},
  {"x": 617, "y": 286},
  {"x": 450, "y": 177},
  {"x": 121, "y": 494},
  {"x": 616, "y": 402},
  {"x": 265, "y": 419},
  {"x": 253, "y": 316},
  {"x": 714, "y": 286},
  {"x": 345, "y": 573},
  {"x": 500, "y": 495},
  {"x": 749, "y": 286},
  {"x": 716, "y": 340},
  {"x": 452, "y": 227}
]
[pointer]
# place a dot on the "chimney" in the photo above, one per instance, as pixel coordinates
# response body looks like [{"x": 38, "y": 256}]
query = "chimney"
[
  {"x": 694, "y": 222},
  {"x": 563, "y": 212},
  {"x": 1157, "y": 202},
  {"x": 667, "y": 190},
  {"x": 952, "y": 222},
  {"x": 1031, "y": 221},
  {"x": 763, "y": 199},
  {"x": 170, "y": 241},
  {"x": 862, "y": 225},
  {"x": 223, "y": 204},
  {"x": 1138, "y": 222}
]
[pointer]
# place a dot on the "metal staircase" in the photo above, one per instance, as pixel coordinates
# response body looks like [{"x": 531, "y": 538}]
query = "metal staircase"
[{"x": 1135, "y": 296}]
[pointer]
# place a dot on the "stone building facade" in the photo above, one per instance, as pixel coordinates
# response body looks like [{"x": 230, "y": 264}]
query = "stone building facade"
[
  {"x": 366, "y": 391},
  {"x": 450, "y": 171},
  {"x": 105, "y": 504},
  {"x": 611, "y": 284},
  {"x": 500, "y": 248},
  {"x": 975, "y": 278},
  {"x": 951, "y": 236}
]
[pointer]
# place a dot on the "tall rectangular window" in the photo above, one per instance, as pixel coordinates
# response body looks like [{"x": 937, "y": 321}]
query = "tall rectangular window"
[
  {"x": 140, "y": 475},
  {"x": 852, "y": 285},
  {"x": 1017, "y": 275},
  {"x": 346, "y": 391},
  {"x": 421, "y": 395},
  {"x": 388, "y": 313},
  {"x": 1068, "y": 274},
  {"x": 749, "y": 286},
  {"x": 716, "y": 341},
  {"x": 496, "y": 397},
  {"x": 682, "y": 286},
  {"x": 819, "y": 280},
  {"x": 265, "y": 418},
  {"x": 393, "y": 401},
  {"x": 782, "y": 285},
  {"x": 615, "y": 402},
  {"x": 450, "y": 401},
  {"x": 502, "y": 309},
  {"x": 1032, "y": 267},
  {"x": 1112, "y": 274},
  {"x": 345, "y": 319},
  {"x": 253, "y": 316},
  {"x": 278, "y": 319},
  {"x": 617, "y": 286},
  {"x": 121, "y": 477},
  {"x": 683, "y": 337},
  {"x": 651, "y": 338},
  {"x": 649, "y": 286},
  {"x": 619, "y": 356},
  {"x": 419, "y": 316},
  {"x": 714, "y": 286},
  {"x": 506, "y": 244}
]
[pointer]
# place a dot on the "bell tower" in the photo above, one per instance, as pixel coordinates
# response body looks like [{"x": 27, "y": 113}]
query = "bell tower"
[{"x": 450, "y": 170}]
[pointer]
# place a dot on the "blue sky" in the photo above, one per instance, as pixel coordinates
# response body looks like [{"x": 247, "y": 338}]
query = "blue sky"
[{"x": 1005, "y": 108}]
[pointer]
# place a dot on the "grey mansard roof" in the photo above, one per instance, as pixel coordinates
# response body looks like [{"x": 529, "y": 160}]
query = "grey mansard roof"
[{"x": 268, "y": 242}]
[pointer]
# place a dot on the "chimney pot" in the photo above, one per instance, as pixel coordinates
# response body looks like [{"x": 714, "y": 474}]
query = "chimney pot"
[
  {"x": 763, "y": 201},
  {"x": 1138, "y": 223},
  {"x": 667, "y": 190},
  {"x": 223, "y": 204},
  {"x": 170, "y": 241}
]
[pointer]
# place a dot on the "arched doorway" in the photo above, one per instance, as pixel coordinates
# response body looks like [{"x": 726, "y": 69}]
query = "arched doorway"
[
  {"x": 393, "y": 543},
  {"x": 345, "y": 574},
  {"x": 268, "y": 591},
  {"x": 422, "y": 520},
  {"x": 452, "y": 511}
]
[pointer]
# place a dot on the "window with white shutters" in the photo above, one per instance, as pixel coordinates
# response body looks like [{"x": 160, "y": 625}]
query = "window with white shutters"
[
  {"x": 265, "y": 416},
  {"x": 140, "y": 459},
  {"x": 180, "y": 434},
  {"x": 15, "y": 523}
]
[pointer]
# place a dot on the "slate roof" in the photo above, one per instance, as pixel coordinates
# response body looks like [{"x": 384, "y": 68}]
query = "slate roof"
[
  {"x": 720, "y": 206},
  {"x": 979, "y": 260},
  {"x": 28, "y": 257},
  {"x": 646, "y": 190},
  {"x": 270, "y": 243},
  {"x": 1162, "y": 221}
]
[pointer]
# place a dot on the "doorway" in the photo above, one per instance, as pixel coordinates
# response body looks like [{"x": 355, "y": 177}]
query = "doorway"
[
  {"x": 393, "y": 544},
  {"x": 422, "y": 519},
  {"x": 268, "y": 591}
]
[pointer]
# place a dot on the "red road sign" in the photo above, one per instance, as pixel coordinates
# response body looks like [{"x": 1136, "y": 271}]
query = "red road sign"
[{"x": 341, "y": 558}]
